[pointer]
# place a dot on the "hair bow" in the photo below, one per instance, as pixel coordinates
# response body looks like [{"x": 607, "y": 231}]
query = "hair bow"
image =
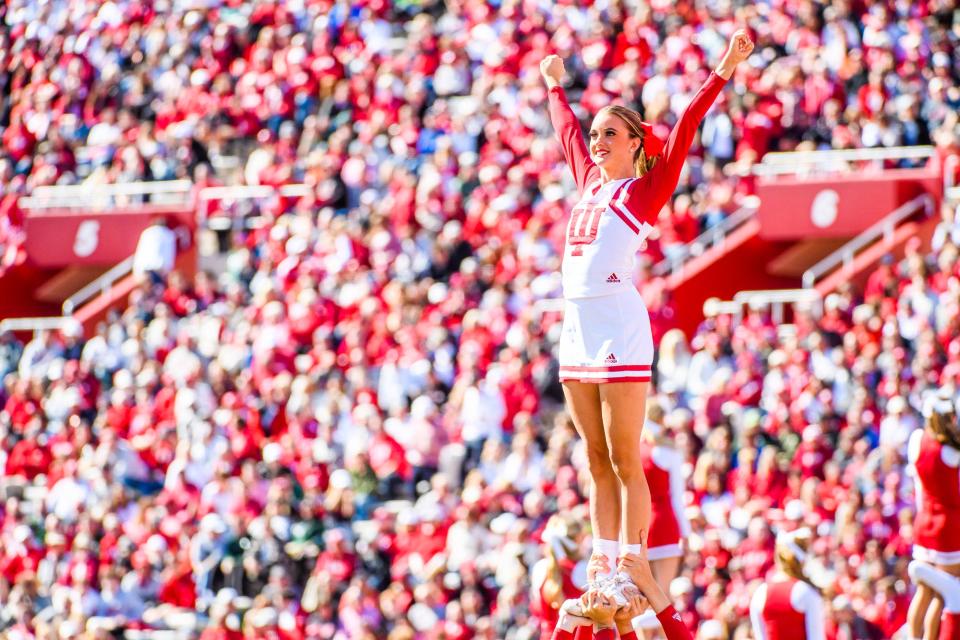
[{"x": 652, "y": 145}]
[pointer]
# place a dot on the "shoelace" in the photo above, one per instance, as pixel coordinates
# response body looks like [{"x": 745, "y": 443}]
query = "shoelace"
[
  {"x": 618, "y": 585},
  {"x": 600, "y": 582}
]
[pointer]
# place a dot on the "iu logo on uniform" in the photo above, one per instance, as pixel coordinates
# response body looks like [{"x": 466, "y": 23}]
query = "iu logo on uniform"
[
  {"x": 582, "y": 230},
  {"x": 613, "y": 278}
]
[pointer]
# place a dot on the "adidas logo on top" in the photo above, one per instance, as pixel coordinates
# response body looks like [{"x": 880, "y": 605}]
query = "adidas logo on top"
[
  {"x": 611, "y": 359},
  {"x": 613, "y": 278}
]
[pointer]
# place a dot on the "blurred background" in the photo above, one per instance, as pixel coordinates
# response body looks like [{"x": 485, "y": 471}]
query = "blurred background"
[{"x": 280, "y": 294}]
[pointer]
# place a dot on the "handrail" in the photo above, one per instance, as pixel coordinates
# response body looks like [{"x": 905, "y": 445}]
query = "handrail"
[
  {"x": 100, "y": 285},
  {"x": 35, "y": 324},
  {"x": 243, "y": 192},
  {"x": 788, "y": 162},
  {"x": 829, "y": 155},
  {"x": 777, "y": 298},
  {"x": 886, "y": 227},
  {"x": 950, "y": 168},
  {"x": 772, "y": 296},
  {"x": 82, "y": 195},
  {"x": 716, "y": 307},
  {"x": 713, "y": 236}
]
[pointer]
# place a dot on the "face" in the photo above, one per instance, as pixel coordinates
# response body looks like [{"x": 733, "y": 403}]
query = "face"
[{"x": 611, "y": 146}]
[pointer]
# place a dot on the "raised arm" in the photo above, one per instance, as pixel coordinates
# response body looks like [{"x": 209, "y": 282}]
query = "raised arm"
[
  {"x": 648, "y": 196},
  {"x": 566, "y": 125}
]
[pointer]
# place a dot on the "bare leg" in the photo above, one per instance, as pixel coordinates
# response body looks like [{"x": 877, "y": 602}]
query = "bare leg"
[
  {"x": 624, "y": 407},
  {"x": 931, "y": 624},
  {"x": 918, "y": 610},
  {"x": 583, "y": 402},
  {"x": 664, "y": 571}
]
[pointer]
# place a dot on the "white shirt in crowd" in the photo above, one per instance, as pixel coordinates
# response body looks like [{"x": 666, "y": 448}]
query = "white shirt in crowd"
[
  {"x": 156, "y": 250},
  {"x": 482, "y": 411}
]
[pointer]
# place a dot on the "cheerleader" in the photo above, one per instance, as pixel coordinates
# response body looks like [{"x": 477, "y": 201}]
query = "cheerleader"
[
  {"x": 948, "y": 588},
  {"x": 933, "y": 454},
  {"x": 669, "y": 526},
  {"x": 559, "y": 575},
  {"x": 788, "y": 606},
  {"x": 623, "y": 178}
]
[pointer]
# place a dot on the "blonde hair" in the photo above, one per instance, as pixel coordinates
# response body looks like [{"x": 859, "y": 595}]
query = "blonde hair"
[
  {"x": 943, "y": 427},
  {"x": 657, "y": 434},
  {"x": 641, "y": 163},
  {"x": 790, "y": 564},
  {"x": 553, "y": 581}
]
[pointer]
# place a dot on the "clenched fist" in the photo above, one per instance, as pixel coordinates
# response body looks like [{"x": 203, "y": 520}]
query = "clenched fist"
[
  {"x": 741, "y": 46},
  {"x": 551, "y": 68}
]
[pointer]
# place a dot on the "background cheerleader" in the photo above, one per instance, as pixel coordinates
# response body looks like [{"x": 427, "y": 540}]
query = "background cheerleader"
[
  {"x": 788, "y": 606},
  {"x": 559, "y": 575},
  {"x": 669, "y": 526},
  {"x": 934, "y": 461}
]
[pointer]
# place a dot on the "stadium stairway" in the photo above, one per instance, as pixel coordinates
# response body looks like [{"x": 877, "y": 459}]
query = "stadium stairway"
[{"x": 79, "y": 250}]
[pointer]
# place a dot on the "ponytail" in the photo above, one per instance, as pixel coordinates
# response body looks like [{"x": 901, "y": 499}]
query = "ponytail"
[{"x": 642, "y": 165}]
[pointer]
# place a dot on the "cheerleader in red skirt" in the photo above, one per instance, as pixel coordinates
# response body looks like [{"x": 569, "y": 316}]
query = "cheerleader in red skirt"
[
  {"x": 669, "y": 526},
  {"x": 948, "y": 588},
  {"x": 934, "y": 462},
  {"x": 560, "y": 575},
  {"x": 788, "y": 606}
]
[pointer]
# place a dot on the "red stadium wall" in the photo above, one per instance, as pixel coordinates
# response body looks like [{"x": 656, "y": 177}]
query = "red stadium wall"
[
  {"x": 64, "y": 237},
  {"x": 17, "y": 286},
  {"x": 838, "y": 206},
  {"x": 794, "y": 212}
]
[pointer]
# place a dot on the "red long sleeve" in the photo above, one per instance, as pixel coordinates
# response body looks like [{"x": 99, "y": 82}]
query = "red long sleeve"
[
  {"x": 648, "y": 195},
  {"x": 630, "y": 635},
  {"x": 672, "y": 624},
  {"x": 561, "y": 634},
  {"x": 568, "y": 130},
  {"x": 605, "y": 634}
]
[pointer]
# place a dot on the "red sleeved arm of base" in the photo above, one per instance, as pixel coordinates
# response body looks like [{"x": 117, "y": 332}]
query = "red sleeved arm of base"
[
  {"x": 672, "y": 624},
  {"x": 561, "y": 634}
]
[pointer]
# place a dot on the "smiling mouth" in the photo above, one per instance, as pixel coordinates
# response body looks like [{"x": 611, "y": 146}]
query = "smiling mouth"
[{"x": 600, "y": 155}]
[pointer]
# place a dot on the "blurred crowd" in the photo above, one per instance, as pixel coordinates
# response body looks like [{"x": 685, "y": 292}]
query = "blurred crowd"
[
  {"x": 404, "y": 107},
  {"x": 354, "y": 428}
]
